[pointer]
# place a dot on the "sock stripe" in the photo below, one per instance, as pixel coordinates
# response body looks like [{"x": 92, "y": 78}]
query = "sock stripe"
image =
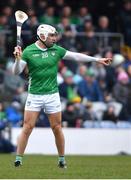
[
  {"x": 18, "y": 157},
  {"x": 61, "y": 158}
]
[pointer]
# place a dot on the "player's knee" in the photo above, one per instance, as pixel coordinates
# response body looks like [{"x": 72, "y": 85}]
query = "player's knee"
[
  {"x": 27, "y": 128},
  {"x": 56, "y": 127}
]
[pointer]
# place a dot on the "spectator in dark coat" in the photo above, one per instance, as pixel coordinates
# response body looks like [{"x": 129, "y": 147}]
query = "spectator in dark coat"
[
  {"x": 121, "y": 93},
  {"x": 70, "y": 115},
  {"x": 87, "y": 43},
  {"x": 125, "y": 21},
  {"x": 109, "y": 114}
]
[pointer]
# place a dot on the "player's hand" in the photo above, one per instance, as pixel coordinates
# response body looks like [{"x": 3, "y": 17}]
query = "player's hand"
[
  {"x": 17, "y": 52},
  {"x": 105, "y": 61}
]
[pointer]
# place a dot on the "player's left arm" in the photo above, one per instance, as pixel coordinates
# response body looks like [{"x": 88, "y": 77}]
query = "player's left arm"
[{"x": 85, "y": 58}]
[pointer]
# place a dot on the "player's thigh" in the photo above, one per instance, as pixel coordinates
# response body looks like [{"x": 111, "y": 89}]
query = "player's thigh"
[
  {"x": 54, "y": 119},
  {"x": 30, "y": 118},
  {"x": 34, "y": 102},
  {"x": 52, "y": 104}
]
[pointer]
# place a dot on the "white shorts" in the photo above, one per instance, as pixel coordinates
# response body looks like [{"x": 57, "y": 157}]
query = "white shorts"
[{"x": 50, "y": 103}]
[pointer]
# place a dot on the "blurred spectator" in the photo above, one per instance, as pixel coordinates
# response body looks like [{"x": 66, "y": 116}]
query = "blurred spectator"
[
  {"x": 6, "y": 38},
  {"x": 3, "y": 117},
  {"x": 12, "y": 3},
  {"x": 20, "y": 95},
  {"x": 12, "y": 82},
  {"x": 89, "y": 87},
  {"x": 41, "y": 6},
  {"x": 30, "y": 12},
  {"x": 103, "y": 24},
  {"x": 8, "y": 12},
  {"x": 68, "y": 89},
  {"x": 3, "y": 22},
  {"x": 100, "y": 74},
  {"x": 59, "y": 5},
  {"x": 127, "y": 61},
  {"x": 83, "y": 15},
  {"x": 67, "y": 12},
  {"x": 125, "y": 21},
  {"x": 90, "y": 117},
  {"x": 65, "y": 25},
  {"x": 109, "y": 114},
  {"x": 3, "y": 27},
  {"x": 14, "y": 114},
  {"x": 48, "y": 16},
  {"x": 87, "y": 43},
  {"x": 103, "y": 27},
  {"x": 80, "y": 73},
  {"x": 99, "y": 70},
  {"x": 121, "y": 94},
  {"x": 86, "y": 26},
  {"x": 5, "y": 145},
  {"x": 70, "y": 115},
  {"x": 30, "y": 27},
  {"x": 120, "y": 90},
  {"x": 2, "y": 112},
  {"x": 1, "y": 81},
  {"x": 27, "y": 4},
  {"x": 129, "y": 73},
  {"x": 67, "y": 40},
  {"x": 85, "y": 112}
]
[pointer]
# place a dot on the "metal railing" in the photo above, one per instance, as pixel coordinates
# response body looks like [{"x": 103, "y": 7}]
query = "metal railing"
[{"x": 106, "y": 39}]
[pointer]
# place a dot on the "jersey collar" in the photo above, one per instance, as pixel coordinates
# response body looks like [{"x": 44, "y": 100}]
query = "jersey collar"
[
  {"x": 40, "y": 47},
  {"x": 53, "y": 47}
]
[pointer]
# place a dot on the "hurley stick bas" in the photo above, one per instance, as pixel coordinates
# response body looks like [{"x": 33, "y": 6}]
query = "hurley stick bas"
[{"x": 20, "y": 17}]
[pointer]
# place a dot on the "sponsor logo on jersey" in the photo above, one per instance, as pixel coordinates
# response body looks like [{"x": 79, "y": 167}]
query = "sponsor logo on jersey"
[{"x": 36, "y": 55}]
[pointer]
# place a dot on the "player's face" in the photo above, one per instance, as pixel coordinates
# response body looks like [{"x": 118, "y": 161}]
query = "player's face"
[{"x": 51, "y": 40}]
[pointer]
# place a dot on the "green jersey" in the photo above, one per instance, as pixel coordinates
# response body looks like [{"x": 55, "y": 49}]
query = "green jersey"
[{"x": 43, "y": 67}]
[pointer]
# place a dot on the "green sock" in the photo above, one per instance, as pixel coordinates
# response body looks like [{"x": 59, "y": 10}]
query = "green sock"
[
  {"x": 61, "y": 158},
  {"x": 19, "y": 158}
]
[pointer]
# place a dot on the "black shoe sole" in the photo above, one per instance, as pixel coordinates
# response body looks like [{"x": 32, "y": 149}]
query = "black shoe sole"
[
  {"x": 17, "y": 164},
  {"x": 62, "y": 165}
]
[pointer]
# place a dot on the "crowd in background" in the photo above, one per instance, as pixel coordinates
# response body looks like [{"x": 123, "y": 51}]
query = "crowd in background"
[{"x": 92, "y": 95}]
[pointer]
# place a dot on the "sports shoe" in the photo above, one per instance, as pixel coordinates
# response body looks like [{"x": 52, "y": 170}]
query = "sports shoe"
[
  {"x": 62, "y": 164},
  {"x": 17, "y": 163}
]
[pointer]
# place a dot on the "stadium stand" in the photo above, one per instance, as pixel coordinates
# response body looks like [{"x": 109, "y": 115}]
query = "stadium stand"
[{"x": 89, "y": 29}]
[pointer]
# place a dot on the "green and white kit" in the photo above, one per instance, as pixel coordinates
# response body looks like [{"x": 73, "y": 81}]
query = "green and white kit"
[{"x": 43, "y": 67}]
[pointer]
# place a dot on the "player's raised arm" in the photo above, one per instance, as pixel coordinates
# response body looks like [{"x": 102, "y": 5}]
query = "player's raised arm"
[
  {"x": 85, "y": 58},
  {"x": 19, "y": 64}
]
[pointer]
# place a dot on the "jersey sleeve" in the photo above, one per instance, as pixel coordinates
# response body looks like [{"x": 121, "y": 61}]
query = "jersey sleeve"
[
  {"x": 25, "y": 55},
  {"x": 62, "y": 51}
]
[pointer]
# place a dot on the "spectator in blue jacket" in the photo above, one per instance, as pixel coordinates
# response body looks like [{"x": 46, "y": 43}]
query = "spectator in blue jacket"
[
  {"x": 89, "y": 87},
  {"x": 14, "y": 114}
]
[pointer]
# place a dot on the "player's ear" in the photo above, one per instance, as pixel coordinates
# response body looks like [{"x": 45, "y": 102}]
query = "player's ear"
[{"x": 42, "y": 37}]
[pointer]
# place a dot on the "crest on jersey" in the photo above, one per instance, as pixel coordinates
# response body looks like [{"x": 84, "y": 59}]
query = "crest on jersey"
[{"x": 53, "y": 53}]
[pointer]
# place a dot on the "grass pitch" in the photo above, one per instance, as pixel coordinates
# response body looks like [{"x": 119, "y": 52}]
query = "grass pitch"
[{"x": 79, "y": 167}]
